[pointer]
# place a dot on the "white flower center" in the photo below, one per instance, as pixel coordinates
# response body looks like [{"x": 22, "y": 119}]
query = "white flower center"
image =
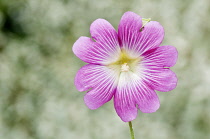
[
  {"x": 125, "y": 67},
  {"x": 125, "y": 62}
]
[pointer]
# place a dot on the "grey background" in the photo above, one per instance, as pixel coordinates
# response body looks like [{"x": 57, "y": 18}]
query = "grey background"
[{"x": 38, "y": 99}]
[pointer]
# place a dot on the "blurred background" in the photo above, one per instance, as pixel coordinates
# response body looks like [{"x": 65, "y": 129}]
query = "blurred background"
[{"x": 38, "y": 99}]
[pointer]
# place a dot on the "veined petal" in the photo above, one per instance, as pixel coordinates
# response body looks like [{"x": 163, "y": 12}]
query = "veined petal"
[
  {"x": 147, "y": 99},
  {"x": 160, "y": 79},
  {"x": 105, "y": 50},
  {"x": 105, "y": 35},
  {"x": 132, "y": 90},
  {"x": 101, "y": 80},
  {"x": 150, "y": 37},
  {"x": 124, "y": 101},
  {"x": 129, "y": 30},
  {"x": 135, "y": 41},
  {"x": 163, "y": 56}
]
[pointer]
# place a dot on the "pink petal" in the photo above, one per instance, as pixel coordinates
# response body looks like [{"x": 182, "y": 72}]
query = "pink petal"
[
  {"x": 135, "y": 41},
  {"x": 95, "y": 98},
  {"x": 124, "y": 100},
  {"x": 101, "y": 80},
  {"x": 161, "y": 79},
  {"x": 106, "y": 48},
  {"x": 147, "y": 99},
  {"x": 105, "y": 34},
  {"x": 125, "y": 105},
  {"x": 154, "y": 61},
  {"x": 128, "y": 30},
  {"x": 163, "y": 56},
  {"x": 132, "y": 90}
]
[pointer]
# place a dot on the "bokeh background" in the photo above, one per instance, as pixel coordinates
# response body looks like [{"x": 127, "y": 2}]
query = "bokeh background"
[{"x": 38, "y": 99}]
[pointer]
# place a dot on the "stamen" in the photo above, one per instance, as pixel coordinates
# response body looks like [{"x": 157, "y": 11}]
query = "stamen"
[{"x": 125, "y": 67}]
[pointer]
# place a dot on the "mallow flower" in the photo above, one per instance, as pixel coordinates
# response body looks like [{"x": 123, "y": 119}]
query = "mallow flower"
[{"x": 127, "y": 65}]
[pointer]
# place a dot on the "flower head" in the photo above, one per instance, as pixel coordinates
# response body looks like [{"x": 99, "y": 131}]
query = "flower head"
[{"x": 127, "y": 65}]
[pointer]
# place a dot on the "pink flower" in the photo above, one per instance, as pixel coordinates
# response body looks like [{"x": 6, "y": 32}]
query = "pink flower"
[{"x": 127, "y": 65}]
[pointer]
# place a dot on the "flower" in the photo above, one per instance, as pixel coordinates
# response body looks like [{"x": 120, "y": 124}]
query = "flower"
[{"x": 127, "y": 65}]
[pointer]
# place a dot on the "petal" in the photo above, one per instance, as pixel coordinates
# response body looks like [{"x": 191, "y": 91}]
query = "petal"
[
  {"x": 95, "y": 98},
  {"x": 129, "y": 30},
  {"x": 101, "y": 79},
  {"x": 147, "y": 99},
  {"x": 163, "y": 56},
  {"x": 151, "y": 36},
  {"x": 105, "y": 34},
  {"x": 160, "y": 79},
  {"x": 132, "y": 90},
  {"x": 135, "y": 41},
  {"x": 106, "y": 48},
  {"x": 124, "y": 100}
]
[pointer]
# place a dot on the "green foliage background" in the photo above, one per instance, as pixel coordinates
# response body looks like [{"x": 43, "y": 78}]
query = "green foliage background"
[{"x": 38, "y": 99}]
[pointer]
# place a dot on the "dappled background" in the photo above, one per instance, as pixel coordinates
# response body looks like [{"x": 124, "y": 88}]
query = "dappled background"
[{"x": 38, "y": 99}]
